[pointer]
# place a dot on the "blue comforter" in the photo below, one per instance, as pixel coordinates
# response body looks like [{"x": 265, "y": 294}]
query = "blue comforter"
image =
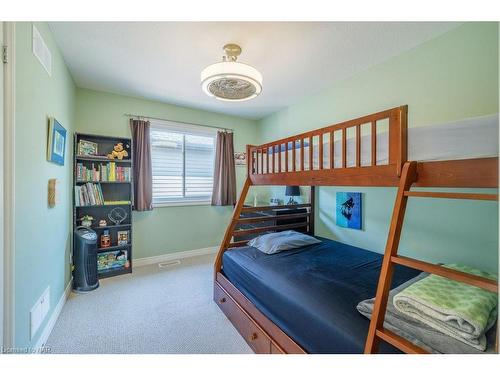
[{"x": 311, "y": 293}]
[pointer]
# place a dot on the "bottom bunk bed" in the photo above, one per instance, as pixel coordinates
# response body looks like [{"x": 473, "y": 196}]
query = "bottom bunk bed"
[
  {"x": 311, "y": 293},
  {"x": 306, "y": 300}
]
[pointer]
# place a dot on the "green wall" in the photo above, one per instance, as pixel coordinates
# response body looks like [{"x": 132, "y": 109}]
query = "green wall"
[
  {"x": 452, "y": 77},
  {"x": 165, "y": 229},
  {"x": 42, "y": 234}
]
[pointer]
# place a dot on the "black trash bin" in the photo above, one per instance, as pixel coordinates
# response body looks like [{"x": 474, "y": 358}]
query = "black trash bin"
[{"x": 85, "y": 260}]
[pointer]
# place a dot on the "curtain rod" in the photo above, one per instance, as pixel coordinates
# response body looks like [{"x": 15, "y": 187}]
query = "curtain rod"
[{"x": 180, "y": 122}]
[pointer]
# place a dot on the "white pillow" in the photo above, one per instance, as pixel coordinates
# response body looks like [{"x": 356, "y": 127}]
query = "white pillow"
[{"x": 272, "y": 243}]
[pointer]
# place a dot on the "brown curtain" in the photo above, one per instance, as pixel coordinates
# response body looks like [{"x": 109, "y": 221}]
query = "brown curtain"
[
  {"x": 143, "y": 177},
  {"x": 224, "y": 191}
]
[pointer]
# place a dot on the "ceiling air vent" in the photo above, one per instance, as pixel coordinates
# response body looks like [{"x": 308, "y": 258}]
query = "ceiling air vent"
[{"x": 41, "y": 51}]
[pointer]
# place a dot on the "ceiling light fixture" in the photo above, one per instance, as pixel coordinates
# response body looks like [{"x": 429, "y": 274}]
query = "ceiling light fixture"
[{"x": 230, "y": 80}]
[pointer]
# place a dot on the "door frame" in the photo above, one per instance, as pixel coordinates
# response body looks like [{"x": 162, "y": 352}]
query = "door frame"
[{"x": 7, "y": 182}]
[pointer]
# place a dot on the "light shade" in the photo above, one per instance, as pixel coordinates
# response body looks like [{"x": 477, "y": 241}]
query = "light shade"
[
  {"x": 292, "y": 191},
  {"x": 231, "y": 81}
]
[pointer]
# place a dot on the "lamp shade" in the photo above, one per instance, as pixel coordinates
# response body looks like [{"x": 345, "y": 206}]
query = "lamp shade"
[
  {"x": 292, "y": 191},
  {"x": 231, "y": 81}
]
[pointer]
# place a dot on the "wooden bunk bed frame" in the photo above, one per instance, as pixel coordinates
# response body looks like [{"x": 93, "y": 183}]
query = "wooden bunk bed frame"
[{"x": 265, "y": 167}]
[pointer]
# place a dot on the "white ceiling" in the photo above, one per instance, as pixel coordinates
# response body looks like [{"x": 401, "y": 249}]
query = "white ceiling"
[{"x": 163, "y": 60}]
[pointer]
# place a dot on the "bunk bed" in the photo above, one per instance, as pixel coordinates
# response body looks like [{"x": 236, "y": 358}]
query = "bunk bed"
[{"x": 303, "y": 300}]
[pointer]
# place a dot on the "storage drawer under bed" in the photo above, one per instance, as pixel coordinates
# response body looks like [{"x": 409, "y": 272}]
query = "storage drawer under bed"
[{"x": 253, "y": 335}]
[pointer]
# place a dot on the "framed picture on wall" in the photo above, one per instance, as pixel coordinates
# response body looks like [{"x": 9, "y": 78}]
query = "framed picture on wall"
[
  {"x": 240, "y": 159},
  {"x": 348, "y": 210},
  {"x": 56, "y": 142}
]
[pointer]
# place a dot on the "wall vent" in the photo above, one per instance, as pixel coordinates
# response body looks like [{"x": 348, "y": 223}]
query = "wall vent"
[{"x": 41, "y": 51}]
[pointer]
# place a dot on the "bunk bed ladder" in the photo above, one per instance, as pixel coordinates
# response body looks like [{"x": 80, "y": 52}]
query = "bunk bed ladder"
[
  {"x": 232, "y": 225},
  {"x": 377, "y": 331}
]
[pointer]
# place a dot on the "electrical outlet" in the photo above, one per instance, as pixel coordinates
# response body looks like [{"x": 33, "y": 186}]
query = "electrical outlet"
[{"x": 39, "y": 312}]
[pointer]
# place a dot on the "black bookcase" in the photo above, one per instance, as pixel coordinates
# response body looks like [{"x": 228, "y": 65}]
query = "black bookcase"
[{"x": 120, "y": 192}]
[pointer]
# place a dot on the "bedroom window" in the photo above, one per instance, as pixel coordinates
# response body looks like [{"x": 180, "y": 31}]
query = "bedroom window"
[{"x": 182, "y": 159}]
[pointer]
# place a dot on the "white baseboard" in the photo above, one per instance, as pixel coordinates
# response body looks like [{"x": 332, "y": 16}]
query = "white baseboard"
[
  {"x": 53, "y": 319},
  {"x": 173, "y": 256}
]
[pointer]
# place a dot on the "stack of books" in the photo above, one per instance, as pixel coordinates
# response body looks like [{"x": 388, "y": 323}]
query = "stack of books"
[
  {"x": 89, "y": 195},
  {"x": 108, "y": 172}
]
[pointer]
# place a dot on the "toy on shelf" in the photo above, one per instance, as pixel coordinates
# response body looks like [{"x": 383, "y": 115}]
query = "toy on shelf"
[
  {"x": 118, "y": 152},
  {"x": 105, "y": 239},
  {"x": 103, "y": 223},
  {"x": 86, "y": 220}
]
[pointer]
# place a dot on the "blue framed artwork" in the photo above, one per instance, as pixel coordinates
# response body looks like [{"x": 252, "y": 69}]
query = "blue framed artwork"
[
  {"x": 56, "y": 143},
  {"x": 348, "y": 210}
]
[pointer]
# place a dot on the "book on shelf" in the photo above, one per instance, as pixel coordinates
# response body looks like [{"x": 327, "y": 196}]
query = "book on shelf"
[
  {"x": 112, "y": 171},
  {"x": 88, "y": 194},
  {"x": 99, "y": 172},
  {"x": 112, "y": 260},
  {"x": 111, "y": 203}
]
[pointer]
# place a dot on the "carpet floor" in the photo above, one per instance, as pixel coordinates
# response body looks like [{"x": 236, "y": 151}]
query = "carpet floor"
[{"x": 149, "y": 311}]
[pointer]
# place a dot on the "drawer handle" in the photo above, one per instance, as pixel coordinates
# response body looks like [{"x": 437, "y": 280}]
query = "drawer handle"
[
  {"x": 222, "y": 300},
  {"x": 253, "y": 336}
]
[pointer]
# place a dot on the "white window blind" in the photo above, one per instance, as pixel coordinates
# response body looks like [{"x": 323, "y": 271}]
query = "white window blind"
[{"x": 182, "y": 163}]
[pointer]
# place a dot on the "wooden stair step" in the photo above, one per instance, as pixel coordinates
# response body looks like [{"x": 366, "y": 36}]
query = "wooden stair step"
[
  {"x": 463, "y": 277},
  {"x": 437, "y": 194},
  {"x": 399, "y": 342}
]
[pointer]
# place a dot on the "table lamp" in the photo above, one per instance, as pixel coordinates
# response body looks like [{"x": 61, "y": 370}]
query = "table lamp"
[{"x": 292, "y": 191}]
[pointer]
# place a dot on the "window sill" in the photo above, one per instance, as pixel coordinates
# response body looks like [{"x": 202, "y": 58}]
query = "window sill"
[{"x": 182, "y": 203}]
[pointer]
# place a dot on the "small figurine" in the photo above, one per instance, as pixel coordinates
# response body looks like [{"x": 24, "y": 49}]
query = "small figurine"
[
  {"x": 103, "y": 223},
  {"x": 118, "y": 152},
  {"x": 105, "y": 239},
  {"x": 86, "y": 220},
  {"x": 121, "y": 256}
]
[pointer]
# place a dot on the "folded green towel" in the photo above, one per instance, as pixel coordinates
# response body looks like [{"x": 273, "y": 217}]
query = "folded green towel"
[{"x": 460, "y": 310}]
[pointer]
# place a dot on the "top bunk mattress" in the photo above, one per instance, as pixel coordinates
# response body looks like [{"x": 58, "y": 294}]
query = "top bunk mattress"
[{"x": 311, "y": 293}]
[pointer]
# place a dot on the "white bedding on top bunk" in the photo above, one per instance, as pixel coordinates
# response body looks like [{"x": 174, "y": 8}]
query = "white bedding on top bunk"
[{"x": 464, "y": 139}]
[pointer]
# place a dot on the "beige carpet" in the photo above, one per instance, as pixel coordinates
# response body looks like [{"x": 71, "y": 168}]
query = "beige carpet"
[{"x": 149, "y": 311}]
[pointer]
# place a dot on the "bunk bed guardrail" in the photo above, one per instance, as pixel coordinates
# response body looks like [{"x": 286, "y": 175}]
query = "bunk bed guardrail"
[{"x": 323, "y": 157}]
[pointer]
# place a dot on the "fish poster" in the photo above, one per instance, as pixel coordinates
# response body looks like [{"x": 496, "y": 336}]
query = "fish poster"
[{"x": 349, "y": 210}]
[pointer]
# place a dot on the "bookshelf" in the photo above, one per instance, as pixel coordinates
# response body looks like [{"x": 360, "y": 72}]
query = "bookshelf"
[{"x": 99, "y": 186}]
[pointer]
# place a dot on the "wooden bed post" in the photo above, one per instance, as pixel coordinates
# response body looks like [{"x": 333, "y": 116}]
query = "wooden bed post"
[
  {"x": 398, "y": 135},
  {"x": 408, "y": 177},
  {"x": 230, "y": 228},
  {"x": 312, "y": 198}
]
